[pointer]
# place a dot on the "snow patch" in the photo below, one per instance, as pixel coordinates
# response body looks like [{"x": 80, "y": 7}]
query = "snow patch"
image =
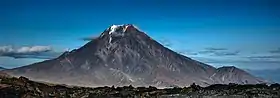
[
  {"x": 117, "y": 30},
  {"x": 223, "y": 78},
  {"x": 110, "y": 39},
  {"x": 69, "y": 61},
  {"x": 126, "y": 75},
  {"x": 211, "y": 77},
  {"x": 86, "y": 65}
]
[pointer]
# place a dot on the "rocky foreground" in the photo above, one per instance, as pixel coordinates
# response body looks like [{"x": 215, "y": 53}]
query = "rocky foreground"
[{"x": 22, "y": 87}]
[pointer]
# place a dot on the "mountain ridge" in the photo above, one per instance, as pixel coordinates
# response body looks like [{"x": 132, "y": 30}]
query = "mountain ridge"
[{"x": 124, "y": 55}]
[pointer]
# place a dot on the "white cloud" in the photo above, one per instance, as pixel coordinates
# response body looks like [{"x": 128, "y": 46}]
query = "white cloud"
[
  {"x": 6, "y": 49},
  {"x": 44, "y": 52},
  {"x": 34, "y": 49}
]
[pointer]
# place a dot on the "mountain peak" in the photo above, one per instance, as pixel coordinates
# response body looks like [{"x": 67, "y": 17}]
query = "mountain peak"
[
  {"x": 124, "y": 55},
  {"x": 229, "y": 68},
  {"x": 120, "y": 30},
  {"x": 116, "y": 31}
]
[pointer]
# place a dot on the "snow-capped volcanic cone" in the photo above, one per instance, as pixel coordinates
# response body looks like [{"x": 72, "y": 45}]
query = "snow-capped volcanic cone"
[{"x": 124, "y": 55}]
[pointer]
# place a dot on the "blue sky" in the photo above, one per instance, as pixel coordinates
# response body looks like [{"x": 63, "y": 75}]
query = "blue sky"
[{"x": 242, "y": 33}]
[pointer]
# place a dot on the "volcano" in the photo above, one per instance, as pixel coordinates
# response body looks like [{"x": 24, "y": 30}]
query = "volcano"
[{"x": 124, "y": 55}]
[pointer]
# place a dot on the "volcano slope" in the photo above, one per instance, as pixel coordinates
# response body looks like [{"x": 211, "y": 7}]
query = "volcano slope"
[{"x": 124, "y": 55}]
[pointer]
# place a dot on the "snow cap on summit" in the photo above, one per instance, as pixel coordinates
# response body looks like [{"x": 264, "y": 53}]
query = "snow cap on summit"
[
  {"x": 116, "y": 28},
  {"x": 119, "y": 30}
]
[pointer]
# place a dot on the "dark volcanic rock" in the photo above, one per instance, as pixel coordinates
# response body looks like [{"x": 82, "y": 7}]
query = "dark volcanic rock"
[
  {"x": 24, "y": 88},
  {"x": 124, "y": 55}
]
